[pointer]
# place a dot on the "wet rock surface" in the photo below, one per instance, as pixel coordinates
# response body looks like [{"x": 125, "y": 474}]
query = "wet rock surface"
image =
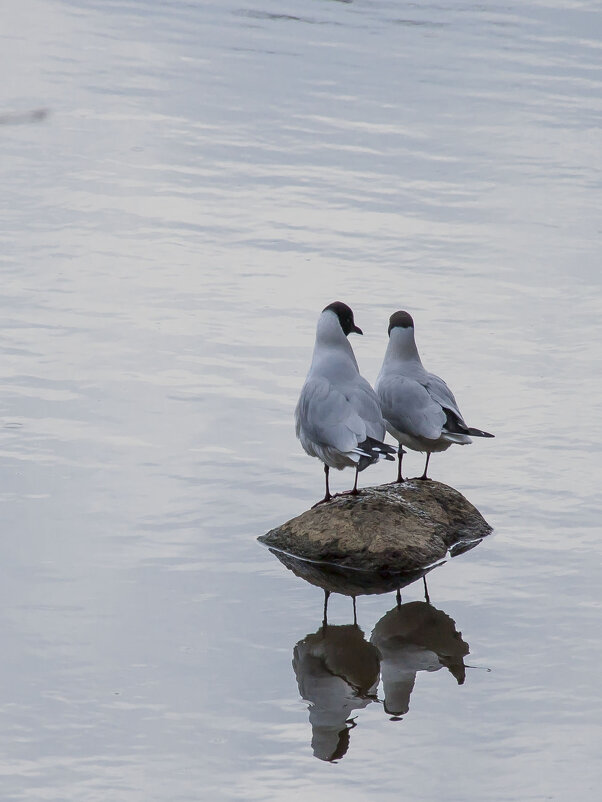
[{"x": 389, "y": 528}]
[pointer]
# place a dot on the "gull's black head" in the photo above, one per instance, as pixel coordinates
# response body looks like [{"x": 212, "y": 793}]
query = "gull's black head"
[
  {"x": 345, "y": 316},
  {"x": 402, "y": 320}
]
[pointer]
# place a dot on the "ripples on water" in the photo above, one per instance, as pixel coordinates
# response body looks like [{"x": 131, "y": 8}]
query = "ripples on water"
[{"x": 209, "y": 177}]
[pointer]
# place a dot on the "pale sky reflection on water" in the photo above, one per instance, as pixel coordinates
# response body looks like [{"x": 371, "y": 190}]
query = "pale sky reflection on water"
[{"x": 208, "y": 178}]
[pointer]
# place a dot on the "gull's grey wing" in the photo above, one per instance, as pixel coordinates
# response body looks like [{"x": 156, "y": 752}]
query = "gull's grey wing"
[
  {"x": 408, "y": 406},
  {"x": 440, "y": 392},
  {"x": 365, "y": 402},
  {"x": 327, "y": 418}
]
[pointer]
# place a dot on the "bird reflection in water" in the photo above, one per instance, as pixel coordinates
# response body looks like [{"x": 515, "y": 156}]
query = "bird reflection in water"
[
  {"x": 415, "y": 637},
  {"x": 337, "y": 672}
]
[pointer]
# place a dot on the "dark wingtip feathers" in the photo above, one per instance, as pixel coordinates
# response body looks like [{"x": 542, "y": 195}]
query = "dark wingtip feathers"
[
  {"x": 479, "y": 433},
  {"x": 372, "y": 450}
]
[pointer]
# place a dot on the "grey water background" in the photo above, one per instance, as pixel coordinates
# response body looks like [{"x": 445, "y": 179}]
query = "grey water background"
[{"x": 209, "y": 177}]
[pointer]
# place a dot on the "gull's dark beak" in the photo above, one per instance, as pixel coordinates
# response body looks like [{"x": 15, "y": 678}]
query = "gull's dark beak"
[{"x": 357, "y": 329}]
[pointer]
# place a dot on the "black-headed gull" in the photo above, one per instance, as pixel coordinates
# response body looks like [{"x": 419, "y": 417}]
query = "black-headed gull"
[
  {"x": 419, "y": 409},
  {"x": 338, "y": 417}
]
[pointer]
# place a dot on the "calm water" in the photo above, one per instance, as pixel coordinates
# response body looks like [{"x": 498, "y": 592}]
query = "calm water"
[{"x": 209, "y": 177}]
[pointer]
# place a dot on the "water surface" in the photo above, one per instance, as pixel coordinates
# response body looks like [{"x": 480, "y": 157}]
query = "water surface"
[{"x": 209, "y": 177}]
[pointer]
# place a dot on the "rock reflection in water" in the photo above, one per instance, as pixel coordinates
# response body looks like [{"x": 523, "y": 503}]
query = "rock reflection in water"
[
  {"x": 335, "y": 578},
  {"x": 337, "y": 672},
  {"x": 415, "y": 637}
]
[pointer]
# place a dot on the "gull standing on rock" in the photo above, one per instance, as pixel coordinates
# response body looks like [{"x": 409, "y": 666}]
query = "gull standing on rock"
[
  {"x": 338, "y": 417},
  {"x": 419, "y": 409}
]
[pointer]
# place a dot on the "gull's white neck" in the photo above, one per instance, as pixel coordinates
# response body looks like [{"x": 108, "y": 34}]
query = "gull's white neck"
[
  {"x": 331, "y": 341},
  {"x": 402, "y": 347}
]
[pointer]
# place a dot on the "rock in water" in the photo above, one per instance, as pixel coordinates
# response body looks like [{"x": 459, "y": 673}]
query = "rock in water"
[{"x": 397, "y": 527}]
